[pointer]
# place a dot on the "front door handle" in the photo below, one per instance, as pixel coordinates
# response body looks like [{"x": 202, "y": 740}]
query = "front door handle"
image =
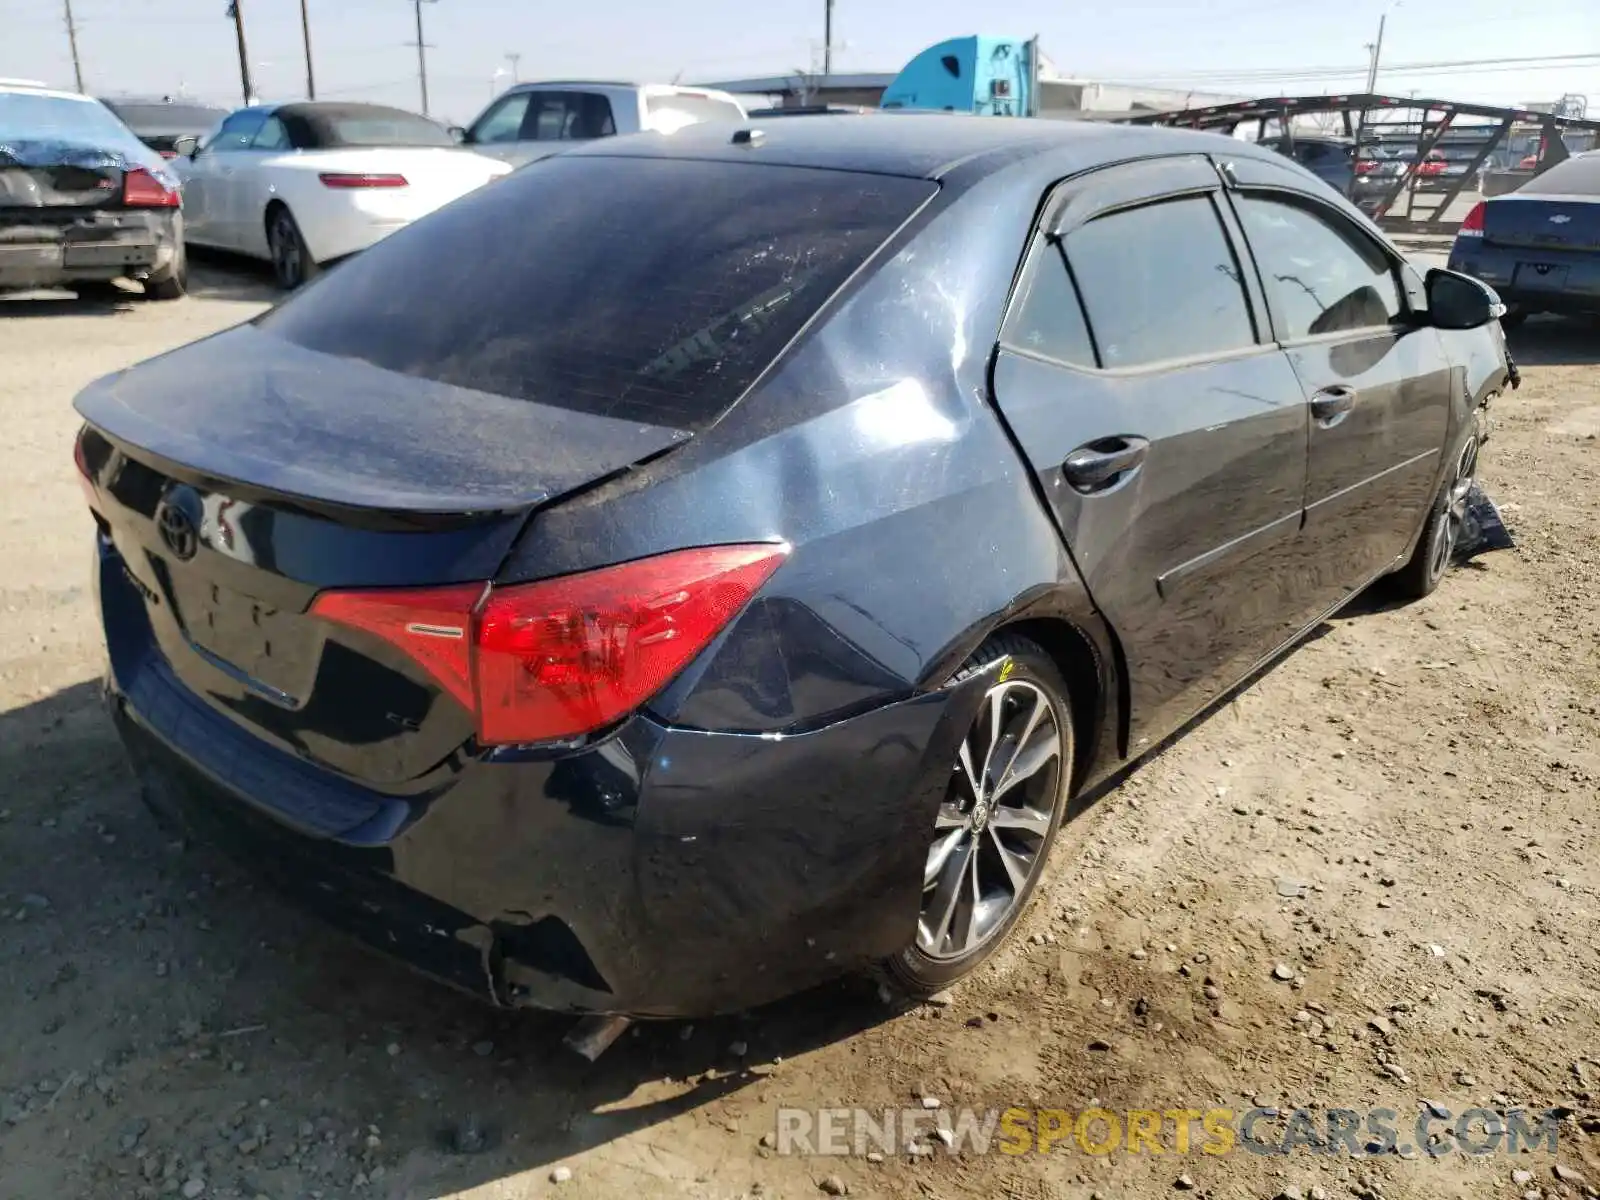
[
  {"x": 1333, "y": 402},
  {"x": 1091, "y": 468}
]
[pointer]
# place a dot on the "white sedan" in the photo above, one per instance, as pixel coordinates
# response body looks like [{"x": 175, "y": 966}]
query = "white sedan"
[{"x": 304, "y": 184}]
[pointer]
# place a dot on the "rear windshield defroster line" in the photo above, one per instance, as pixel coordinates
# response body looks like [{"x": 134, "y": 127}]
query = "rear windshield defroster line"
[{"x": 652, "y": 290}]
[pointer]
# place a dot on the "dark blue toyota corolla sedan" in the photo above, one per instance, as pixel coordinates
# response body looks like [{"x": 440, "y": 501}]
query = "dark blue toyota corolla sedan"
[{"x": 696, "y": 566}]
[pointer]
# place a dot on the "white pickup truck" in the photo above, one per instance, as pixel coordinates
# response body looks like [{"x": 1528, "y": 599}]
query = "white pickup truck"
[{"x": 532, "y": 120}]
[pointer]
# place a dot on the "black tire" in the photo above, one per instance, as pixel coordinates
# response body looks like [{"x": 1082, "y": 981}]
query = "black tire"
[
  {"x": 1436, "y": 547},
  {"x": 1022, "y": 676},
  {"x": 171, "y": 284},
  {"x": 292, "y": 264}
]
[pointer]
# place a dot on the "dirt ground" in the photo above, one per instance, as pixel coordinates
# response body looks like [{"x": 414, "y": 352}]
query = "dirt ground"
[{"x": 1401, "y": 815}]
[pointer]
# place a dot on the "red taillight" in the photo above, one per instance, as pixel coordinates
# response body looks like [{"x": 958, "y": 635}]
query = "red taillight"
[
  {"x": 538, "y": 662},
  {"x": 140, "y": 189},
  {"x": 432, "y": 625},
  {"x": 81, "y": 461},
  {"x": 1473, "y": 225},
  {"x": 169, "y": 154},
  {"x": 335, "y": 179}
]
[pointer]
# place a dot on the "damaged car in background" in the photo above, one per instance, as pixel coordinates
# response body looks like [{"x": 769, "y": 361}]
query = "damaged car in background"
[
  {"x": 82, "y": 200},
  {"x": 659, "y": 632}
]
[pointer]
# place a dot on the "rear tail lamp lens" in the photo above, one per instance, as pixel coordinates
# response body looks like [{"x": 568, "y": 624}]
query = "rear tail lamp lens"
[
  {"x": 81, "y": 460},
  {"x": 141, "y": 189},
  {"x": 1473, "y": 225},
  {"x": 336, "y": 179},
  {"x": 551, "y": 660}
]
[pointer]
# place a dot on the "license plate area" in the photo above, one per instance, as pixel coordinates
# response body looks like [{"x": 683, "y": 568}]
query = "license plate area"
[
  {"x": 232, "y": 630},
  {"x": 1540, "y": 277},
  {"x": 109, "y": 254},
  {"x": 31, "y": 257}
]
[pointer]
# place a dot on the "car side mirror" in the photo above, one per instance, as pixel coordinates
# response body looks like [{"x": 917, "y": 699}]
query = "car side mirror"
[
  {"x": 458, "y": 133},
  {"x": 186, "y": 146},
  {"x": 1457, "y": 301}
]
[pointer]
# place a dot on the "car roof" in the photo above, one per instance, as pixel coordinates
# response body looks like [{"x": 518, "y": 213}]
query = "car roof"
[
  {"x": 160, "y": 102},
  {"x": 533, "y": 85},
  {"x": 918, "y": 145},
  {"x": 39, "y": 89},
  {"x": 315, "y": 109}
]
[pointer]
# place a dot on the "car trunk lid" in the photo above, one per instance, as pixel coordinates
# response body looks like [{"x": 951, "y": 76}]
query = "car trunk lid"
[
  {"x": 434, "y": 176},
  {"x": 52, "y": 174},
  {"x": 233, "y": 502},
  {"x": 1543, "y": 222}
]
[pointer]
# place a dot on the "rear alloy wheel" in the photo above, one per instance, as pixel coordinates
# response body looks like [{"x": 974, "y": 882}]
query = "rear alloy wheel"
[
  {"x": 1421, "y": 575},
  {"x": 993, "y": 831},
  {"x": 291, "y": 258}
]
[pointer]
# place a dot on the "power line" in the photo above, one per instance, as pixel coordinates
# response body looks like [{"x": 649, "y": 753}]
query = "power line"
[
  {"x": 1354, "y": 70},
  {"x": 1326, "y": 80}
]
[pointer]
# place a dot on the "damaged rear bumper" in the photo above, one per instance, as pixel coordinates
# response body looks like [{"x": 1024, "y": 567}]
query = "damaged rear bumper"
[
  {"x": 44, "y": 248},
  {"x": 662, "y": 872}
]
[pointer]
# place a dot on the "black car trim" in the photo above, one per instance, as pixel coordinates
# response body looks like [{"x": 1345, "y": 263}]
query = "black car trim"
[
  {"x": 1117, "y": 186},
  {"x": 1333, "y": 500},
  {"x": 1170, "y": 581},
  {"x": 1153, "y": 368}
]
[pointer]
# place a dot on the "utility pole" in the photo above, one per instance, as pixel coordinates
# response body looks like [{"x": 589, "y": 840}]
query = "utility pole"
[
  {"x": 515, "y": 60},
  {"x": 305, "y": 32},
  {"x": 827, "y": 38},
  {"x": 72, "y": 40},
  {"x": 422, "y": 56},
  {"x": 236, "y": 14},
  {"x": 1377, "y": 52}
]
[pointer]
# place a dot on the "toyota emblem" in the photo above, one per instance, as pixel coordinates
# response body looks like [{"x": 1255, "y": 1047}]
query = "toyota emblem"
[{"x": 177, "y": 530}]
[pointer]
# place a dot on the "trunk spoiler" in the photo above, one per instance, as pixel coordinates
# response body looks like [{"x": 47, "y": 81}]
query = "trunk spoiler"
[{"x": 247, "y": 407}]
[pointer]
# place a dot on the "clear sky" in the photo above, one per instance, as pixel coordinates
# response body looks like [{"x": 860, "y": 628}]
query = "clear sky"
[{"x": 1279, "y": 46}]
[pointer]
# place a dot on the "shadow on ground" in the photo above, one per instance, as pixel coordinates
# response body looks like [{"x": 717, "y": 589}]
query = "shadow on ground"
[
  {"x": 1556, "y": 341},
  {"x": 211, "y": 277},
  {"x": 202, "y": 1007}
]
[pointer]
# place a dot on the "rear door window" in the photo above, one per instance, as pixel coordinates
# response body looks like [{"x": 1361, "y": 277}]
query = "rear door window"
[
  {"x": 646, "y": 289},
  {"x": 1046, "y": 317},
  {"x": 1161, "y": 282},
  {"x": 568, "y": 116},
  {"x": 1575, "y": 177}
]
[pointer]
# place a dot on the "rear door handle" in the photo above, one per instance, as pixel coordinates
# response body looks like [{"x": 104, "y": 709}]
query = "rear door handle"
[
  {"x": 1091, "y": 468},
  {"x": 1333, "y": 402}
]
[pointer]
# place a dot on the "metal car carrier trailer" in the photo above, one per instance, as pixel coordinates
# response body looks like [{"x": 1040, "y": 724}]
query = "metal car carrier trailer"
[{"x": 1466, "y": 135}]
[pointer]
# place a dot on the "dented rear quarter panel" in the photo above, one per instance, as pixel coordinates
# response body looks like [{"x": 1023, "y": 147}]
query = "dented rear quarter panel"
[{"x": 874, "y": 450}]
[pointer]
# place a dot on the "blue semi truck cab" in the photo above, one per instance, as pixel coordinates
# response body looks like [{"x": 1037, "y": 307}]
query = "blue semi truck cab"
[{"x": 988, "y": 76}]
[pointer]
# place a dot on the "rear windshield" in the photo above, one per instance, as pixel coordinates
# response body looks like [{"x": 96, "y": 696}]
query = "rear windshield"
[
  {"x": 399, "y": 129},
  {"x": 25, "y": 117},
  {"x": 653, "y": 290},
  {"x": 1575, "y": 177},
  {"x": 168, "y": 118}
]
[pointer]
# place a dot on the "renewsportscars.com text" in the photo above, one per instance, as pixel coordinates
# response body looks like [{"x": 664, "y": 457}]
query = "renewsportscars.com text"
[{"x": 1357, "y": 1132}]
